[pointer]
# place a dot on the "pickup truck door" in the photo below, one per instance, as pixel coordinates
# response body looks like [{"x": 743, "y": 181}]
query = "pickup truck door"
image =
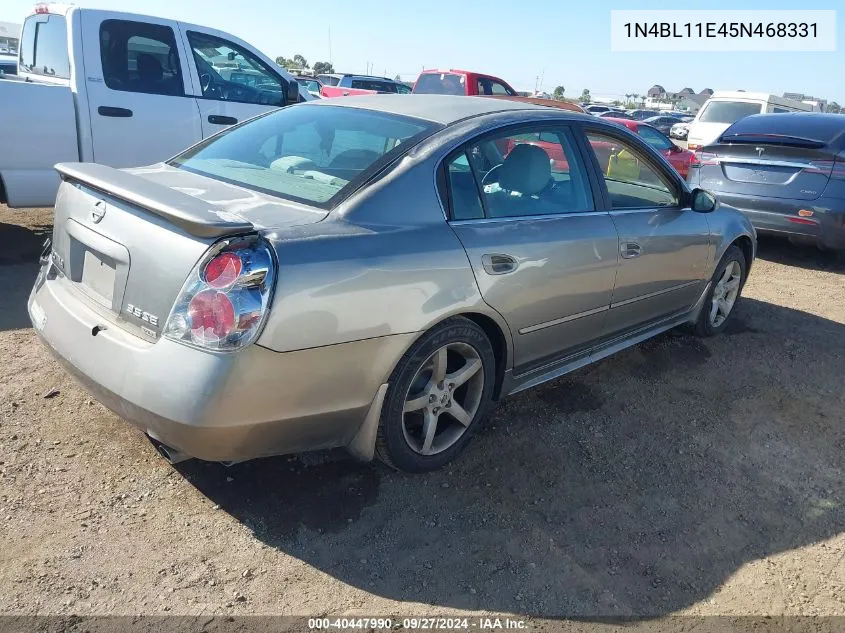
[
  {"x": 234, "y": 82},
  {"x": 137, "y": 81}
]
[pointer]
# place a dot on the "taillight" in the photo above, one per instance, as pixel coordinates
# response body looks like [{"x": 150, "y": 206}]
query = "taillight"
[
  {"x": 224, "y": 301},
  {"x": 704, "y": 158}
]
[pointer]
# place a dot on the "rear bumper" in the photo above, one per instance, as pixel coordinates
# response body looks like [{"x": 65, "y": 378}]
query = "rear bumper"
[
  {"x": 825, "y": 227},
  {"x": 219, "y": 407}
]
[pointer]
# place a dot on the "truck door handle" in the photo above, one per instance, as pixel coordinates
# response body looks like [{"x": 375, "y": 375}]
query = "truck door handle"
[
  {"x": 219, "y": 119},
  {"x": 629, "y": 250},
  {"x": 115, "y": 112},
  {"x": 499, "y": 264}
]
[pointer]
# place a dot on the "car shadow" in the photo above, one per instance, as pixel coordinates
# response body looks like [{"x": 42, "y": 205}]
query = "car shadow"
[
  {"x": 780, "y": 251},
  {"x": 19, "y": 250},
  {"x": 633, "y": 487}
]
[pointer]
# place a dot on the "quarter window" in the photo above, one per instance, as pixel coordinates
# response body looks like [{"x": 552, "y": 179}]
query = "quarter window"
[
  {"x": 632, "y": 182},
  {"x": 43, "y": 48},
  {"x": 520, "y": 174},
  {"x": 230, "y": 73},
  {"x": 140, "y": 57}
]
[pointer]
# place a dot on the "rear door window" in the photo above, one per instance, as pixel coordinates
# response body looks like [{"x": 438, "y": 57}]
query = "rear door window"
[
  {"x": 374, "y": 84},
  {"x": 140, "y": 57},
  {"x": 43, "y": 49},
  {"x": 654, "y": 138}
]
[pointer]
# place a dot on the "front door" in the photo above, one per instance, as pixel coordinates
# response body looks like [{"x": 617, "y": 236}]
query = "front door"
[
  {"x": 663, "y": 246},
  {"x": 136, "y": 82},
  {"x": 543, "y": 256},
  {"x": 234, "y": 84}
]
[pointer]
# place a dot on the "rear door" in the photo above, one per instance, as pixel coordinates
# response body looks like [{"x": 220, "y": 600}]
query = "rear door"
[
  {"x": 235, "y": 84},
  {"x": 663, "y": 245},
  {"x": 136, "y": 78},
  {"x": 543, "y": 255}
]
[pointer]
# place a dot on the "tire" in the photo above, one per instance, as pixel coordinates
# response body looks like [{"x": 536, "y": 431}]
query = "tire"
[
  {"x": 416, "y": 399},
  {"x": 706, "y": 325}
]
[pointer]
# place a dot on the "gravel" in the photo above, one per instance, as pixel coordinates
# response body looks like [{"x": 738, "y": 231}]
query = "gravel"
[{"x": 679, "y": 476}]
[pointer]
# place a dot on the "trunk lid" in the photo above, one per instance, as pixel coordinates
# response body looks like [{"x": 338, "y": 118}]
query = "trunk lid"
[
  {"x": 126, "y": 240},
  {"x": 764, "y": 168}
]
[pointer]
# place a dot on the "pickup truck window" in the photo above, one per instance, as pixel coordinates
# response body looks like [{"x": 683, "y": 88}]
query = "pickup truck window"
[
  {"x": 43, "y": 49},
  {"x": 140, "y": 57},
  {"x": 310, "y": 154},
  {"x": 229, "y": 73},
  {"x": 488, "y": 86},
  {"x": 441, "y": 84}
]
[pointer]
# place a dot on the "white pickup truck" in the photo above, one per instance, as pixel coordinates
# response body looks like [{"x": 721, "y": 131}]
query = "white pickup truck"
[{"x": 123, "y": 90}]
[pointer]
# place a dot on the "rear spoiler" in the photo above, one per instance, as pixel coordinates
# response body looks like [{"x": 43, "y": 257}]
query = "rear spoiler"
[{"x": 191, "y": 214}]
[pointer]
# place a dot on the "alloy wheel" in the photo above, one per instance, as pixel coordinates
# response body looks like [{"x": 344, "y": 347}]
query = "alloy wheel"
[
  {"x": 725, "y": 293},
  {"x": 443, "y": 398}
]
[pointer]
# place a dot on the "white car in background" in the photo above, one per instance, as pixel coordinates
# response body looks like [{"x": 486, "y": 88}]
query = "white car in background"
[
  {"x": 725, "y": 108},
  {"x": 679, "y": 131}
]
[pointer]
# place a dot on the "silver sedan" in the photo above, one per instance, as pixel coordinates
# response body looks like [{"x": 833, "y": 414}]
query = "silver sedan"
[{"x": 373, "y": 273}]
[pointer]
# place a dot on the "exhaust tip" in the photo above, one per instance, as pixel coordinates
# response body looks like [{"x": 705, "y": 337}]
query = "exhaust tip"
[{"x": 172, "y": 455}]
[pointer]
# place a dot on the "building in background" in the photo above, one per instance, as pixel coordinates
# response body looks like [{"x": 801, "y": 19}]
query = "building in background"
[
  {"x": 9, "y": 38},
  {"x": 817, "y": 102}
]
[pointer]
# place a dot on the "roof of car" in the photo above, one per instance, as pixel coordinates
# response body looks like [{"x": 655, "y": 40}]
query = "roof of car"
[
  {"x": 825, "y": 128},
  {"x": 443, "y": 109}
]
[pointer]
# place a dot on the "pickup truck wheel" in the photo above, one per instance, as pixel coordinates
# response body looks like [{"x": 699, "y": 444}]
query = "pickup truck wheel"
[
  {"x": 725, "y": 288},
  {"x": 438, "y": 392}
]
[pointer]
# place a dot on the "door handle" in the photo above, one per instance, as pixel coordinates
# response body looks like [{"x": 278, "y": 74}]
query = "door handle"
[
  {"x": 499, "y": 264},
  {"x": 629, "y": 250},
  {"x": 219, "y": 119},
  {"x": 115, "y": 112}
]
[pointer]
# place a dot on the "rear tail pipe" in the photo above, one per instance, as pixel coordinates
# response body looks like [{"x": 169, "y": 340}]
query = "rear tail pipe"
[{"x": 172, "y": 455}]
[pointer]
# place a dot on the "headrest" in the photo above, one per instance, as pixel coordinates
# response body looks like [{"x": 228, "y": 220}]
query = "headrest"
[{"x": 527, "y": 169}]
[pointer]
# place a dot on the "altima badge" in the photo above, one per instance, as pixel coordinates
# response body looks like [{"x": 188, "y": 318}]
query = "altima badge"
[{"x": 99, "y": 211}]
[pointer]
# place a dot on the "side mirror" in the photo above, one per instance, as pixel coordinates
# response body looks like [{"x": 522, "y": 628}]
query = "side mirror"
[
  {"x": 292, "y": 92},
  {"x": 703, "y": 201}
]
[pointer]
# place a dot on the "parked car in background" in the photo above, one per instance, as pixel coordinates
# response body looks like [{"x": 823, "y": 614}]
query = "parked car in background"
[
  {"x": 662, "y": 122},
  {"x": 421, "y": 320},
  {"x": 8, "y": 64},
  {"x": 460, "y": 82},
  {"x": 596, "y": 109},
  {"x": 679, "y": 131},
  {"x": 640, "y": 115},
  {"x": 724, "y": 108},
  {"x": 140, "y": 90},
  {"x": 550, "y": 103},
  {"x": 363, "y": 82},
  {"x": 679, "y": 158},
  {"x": 786, "y": 172},
  {"x": 616, "y": 114}
]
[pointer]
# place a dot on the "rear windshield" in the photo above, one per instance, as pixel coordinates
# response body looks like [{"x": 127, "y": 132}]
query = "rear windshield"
[
  {"x": 728, "y": 111},
  {"x": 309, "y": 153},
  {"x": 441, "y": 84},
  {"x": 822, "y": 128}
]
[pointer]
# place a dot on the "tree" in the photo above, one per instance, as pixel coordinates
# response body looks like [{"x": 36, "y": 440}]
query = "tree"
[
  {"x": 297, "y": 61},
  {"x": 585, "y": 95},
  {"x": 834, "y": 108},
  {"x": 398, "y": 79},
  {"x": 558, "y": 93},
  {"x": 628, "y": 98},
  {"x": 321, "y": 68}
]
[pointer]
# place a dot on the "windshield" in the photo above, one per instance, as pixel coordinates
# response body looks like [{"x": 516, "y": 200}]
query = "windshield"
[
  {"x": 728, "y": 111},
  {"x": 308, "y": 153},
  {"x": 441, "y": 84}
]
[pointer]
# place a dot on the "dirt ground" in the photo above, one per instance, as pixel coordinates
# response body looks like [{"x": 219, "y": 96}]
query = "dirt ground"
[{"x": 680, "y": 476}]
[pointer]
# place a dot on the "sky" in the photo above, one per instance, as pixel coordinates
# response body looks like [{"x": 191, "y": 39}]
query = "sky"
[{"x": 525, "y": 42}]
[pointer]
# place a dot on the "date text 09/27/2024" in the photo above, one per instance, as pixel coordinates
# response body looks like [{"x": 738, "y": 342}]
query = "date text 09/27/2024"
[{"x": 720, "y": 29}]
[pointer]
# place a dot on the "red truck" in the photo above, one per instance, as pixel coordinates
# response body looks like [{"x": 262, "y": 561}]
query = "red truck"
[{"x": 460, "y": 82}]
